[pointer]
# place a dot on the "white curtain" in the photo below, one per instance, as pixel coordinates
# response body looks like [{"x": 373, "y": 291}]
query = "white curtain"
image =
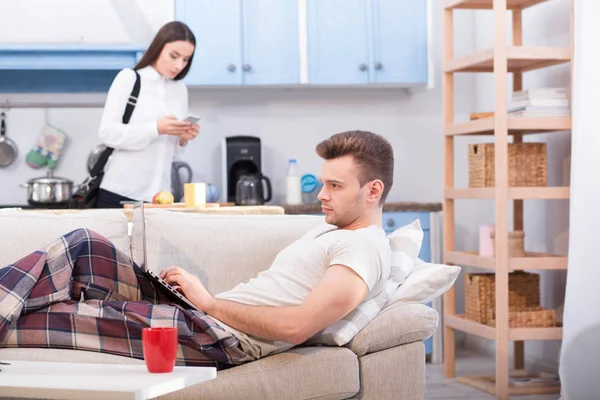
[{"x": 580, "y": 352}]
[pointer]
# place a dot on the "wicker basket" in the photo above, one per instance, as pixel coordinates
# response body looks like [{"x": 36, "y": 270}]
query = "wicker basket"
[
  {"x": 531, "y": 317},
  {"x": 516, "y": 244},
  {"x": 526, "y": 164},
  {"x": 480, "y": 293}
]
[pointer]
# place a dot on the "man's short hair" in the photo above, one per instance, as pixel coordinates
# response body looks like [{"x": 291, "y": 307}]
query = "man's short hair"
[{"x": 372, "y": 153}]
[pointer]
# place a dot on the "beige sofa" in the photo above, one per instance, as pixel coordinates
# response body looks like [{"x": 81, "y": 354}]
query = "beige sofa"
[{"x": 386, "y": 360}]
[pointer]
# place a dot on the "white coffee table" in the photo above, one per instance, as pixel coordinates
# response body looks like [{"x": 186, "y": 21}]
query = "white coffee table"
[{"x": 53, "y": 380}]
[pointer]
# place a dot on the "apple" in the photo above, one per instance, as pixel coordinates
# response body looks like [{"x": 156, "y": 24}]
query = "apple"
[{"x": 163, "y": 197}]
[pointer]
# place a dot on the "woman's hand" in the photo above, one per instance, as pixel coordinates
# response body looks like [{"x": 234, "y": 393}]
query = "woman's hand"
[
  {"x": 191, "y": 132},
  {"x": 169, "y": 125},
  {"x": 190, "y": 285}
]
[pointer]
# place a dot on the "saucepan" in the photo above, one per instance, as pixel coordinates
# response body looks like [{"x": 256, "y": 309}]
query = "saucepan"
[
  {"x": 8, "y": 149},
  {"x": 48, "y": 190}
]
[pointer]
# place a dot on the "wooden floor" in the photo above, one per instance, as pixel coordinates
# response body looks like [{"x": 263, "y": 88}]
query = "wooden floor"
[{"x": 448, "y": 389}]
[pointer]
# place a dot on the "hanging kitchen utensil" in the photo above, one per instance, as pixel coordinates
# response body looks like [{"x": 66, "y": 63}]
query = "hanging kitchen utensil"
[{"x": 8, "y": 149}]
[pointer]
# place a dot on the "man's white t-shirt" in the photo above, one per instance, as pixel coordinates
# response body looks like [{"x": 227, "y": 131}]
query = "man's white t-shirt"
[{"x": 298, "y": 268}]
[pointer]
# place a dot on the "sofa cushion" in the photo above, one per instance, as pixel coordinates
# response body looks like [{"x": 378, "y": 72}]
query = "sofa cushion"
[
  {"x": 396, "y": 325},
  {"x": 223, "y": 250},
  {"x": 405, "y": 244},
  {"x": 301, "y": 373},
  {"x": 426, "y": 282},
  {"x": 26, "y": 231}
]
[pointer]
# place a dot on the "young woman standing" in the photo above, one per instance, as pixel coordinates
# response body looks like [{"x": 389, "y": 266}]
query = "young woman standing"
[{"x": 140, "y": 165}]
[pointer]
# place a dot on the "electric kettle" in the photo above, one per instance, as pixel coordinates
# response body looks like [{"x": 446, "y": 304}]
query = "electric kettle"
[
  {"x": 177, "y": 181},
  {"x": 249, "y": 190}
]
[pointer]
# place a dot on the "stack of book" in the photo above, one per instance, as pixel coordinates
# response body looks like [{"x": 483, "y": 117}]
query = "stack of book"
[{"x": 543, "y": 102}]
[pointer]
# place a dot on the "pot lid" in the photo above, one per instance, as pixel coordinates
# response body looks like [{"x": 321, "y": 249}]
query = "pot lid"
[{"x": 50, "y": 179}]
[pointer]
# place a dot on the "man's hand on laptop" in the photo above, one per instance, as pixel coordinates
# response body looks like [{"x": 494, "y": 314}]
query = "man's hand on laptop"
[{"x": 188, "y": 284}]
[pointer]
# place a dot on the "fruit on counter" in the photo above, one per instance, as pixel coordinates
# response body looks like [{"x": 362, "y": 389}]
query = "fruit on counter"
[{"x": 163, "y": 197}]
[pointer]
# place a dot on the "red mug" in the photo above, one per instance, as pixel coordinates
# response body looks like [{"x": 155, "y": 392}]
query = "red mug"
[{"x": 160, "y": 348}]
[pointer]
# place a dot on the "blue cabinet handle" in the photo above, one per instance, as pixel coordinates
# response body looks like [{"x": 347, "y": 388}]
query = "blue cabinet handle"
[
  {"x": 362, "y": 67},
  {"x": 378, "y": 66},
  {"x": 231, "y": 68},
  {"x": 247, "y": 67}
]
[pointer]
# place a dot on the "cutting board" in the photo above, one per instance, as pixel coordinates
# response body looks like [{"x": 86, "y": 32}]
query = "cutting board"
[{"x": 177, "y": 205}]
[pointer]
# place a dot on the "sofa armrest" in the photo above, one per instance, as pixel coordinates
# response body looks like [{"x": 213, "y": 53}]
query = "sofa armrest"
[{"x": 394, "y": 326}]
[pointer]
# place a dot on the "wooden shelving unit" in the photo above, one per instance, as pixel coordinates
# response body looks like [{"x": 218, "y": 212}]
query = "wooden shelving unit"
[{"x": 500, "y": 60}]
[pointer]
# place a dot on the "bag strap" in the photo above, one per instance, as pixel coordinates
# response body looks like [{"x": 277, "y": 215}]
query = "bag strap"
[
  {"x": 133, "y": 97},
  {"x": 131, "y": 103}
]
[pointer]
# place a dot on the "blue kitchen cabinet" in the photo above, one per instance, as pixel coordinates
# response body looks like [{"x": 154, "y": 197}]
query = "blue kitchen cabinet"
[
  {"x": 270, "y": 42},
  {"x": 253, "y": 42},
  {"x": 399, "y": 41},
  {"x": 395, "y": 220},
  {"x": 218, "y": 30},
  {"x": 367, "y": 41},
  {"x": 338, "y": 49}
]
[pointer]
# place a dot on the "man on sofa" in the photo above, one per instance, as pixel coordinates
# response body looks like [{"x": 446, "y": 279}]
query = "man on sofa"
[{"x": 82, "y": 293}]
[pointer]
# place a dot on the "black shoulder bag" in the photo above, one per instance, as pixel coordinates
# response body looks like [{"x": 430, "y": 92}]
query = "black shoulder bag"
[{"x": 87, "y": 193}]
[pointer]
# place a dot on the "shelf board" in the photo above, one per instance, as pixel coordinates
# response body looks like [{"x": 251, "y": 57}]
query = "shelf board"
[
  {"x": 552, "y": 192},
  {"x": 533, "y": 261},
  {"x": 468, "y": 259},
  {"x": 521, "y": 125},
  {"x": 460, "y": 323},
  {"x": 487, "y": 383},
  {"x": 489, "y": 4},
  {"x": 519, "y": 59}
]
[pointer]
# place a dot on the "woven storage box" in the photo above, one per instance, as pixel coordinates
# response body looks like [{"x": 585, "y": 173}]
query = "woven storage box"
[
  {"x": 532, "y": 317},
  {"x": 480, "y": 293},
  {"x": 516, "y": 243},
  {"x": 526, "y": 164}
]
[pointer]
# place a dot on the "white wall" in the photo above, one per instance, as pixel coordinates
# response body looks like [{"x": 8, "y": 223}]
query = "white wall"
[
  {"x": 82, "y": 22},
  {"x": 289, "y": 122},
  {"x": 546, "y": 222}
]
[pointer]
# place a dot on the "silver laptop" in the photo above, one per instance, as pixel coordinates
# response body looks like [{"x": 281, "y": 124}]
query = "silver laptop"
[{"x": 140, "y": 257}]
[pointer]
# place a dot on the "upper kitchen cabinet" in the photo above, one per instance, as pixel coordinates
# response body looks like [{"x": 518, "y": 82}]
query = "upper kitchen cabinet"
[
  {"x": 218, "y": 31},
  {"x": 253, "y": 42},
  {"x": 399, "y": 41},
  {"x": 270, "y": 38},
  {"x": 338, "y": 50},
  {"x": 367, "y": 41}
]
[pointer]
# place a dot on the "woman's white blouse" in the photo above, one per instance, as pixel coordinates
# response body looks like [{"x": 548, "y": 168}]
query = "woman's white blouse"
[{"x": 140, "y": 165}]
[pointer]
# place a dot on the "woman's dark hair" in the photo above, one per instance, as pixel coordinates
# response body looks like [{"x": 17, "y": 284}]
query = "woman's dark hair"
[{"x": 170, "y": 32}]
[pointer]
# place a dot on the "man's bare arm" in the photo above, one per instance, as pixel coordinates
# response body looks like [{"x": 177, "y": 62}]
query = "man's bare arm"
[{"x": 340, "y": 291}]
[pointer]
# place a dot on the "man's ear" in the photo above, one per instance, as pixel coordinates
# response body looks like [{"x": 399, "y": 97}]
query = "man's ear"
[{"x": 375, "y": 189}]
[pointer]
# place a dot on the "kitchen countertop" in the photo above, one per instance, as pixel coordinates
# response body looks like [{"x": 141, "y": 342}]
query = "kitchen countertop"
[{"x": 387, "y": 207}]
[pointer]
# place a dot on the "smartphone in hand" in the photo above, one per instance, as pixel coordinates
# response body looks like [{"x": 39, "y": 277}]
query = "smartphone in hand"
[{"x": 192, "y": 119}]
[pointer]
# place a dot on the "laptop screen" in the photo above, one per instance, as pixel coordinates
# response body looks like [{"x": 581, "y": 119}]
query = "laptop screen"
[{"x": 138, "y": 236}]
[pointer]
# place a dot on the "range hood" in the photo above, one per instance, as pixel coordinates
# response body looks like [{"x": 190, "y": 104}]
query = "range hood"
[{"x": 30, "y": 68}]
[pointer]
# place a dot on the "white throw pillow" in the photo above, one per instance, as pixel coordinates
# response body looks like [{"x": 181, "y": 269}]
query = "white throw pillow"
[
  {"x": 405, "y": 243},
  {"x": 426, "y": 282}
]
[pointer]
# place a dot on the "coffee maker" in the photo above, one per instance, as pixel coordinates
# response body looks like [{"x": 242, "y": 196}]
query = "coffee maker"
[{"x": 241, "y": 155}]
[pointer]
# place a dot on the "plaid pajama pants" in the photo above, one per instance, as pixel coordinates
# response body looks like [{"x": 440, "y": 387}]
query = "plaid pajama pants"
[{"x": 80, "y": 292}]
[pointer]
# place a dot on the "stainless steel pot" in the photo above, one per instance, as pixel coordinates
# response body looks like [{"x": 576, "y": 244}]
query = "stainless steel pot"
[{"x": 48, "y": 190}]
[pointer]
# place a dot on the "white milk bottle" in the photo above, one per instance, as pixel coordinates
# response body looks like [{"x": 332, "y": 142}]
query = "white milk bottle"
[{"x": 293, "y": 191}]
